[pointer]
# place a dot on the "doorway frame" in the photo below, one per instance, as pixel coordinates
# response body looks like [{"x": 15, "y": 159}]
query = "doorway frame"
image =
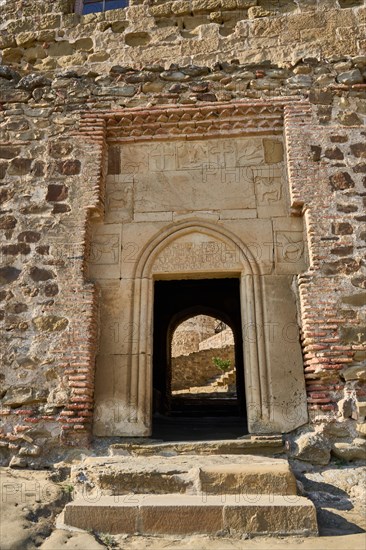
[{"x": 256, "y": 376}]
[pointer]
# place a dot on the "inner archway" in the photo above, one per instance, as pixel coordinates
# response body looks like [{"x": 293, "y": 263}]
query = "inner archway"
[
  {"x": 202, "y": 367},
  {"x": 197, "y": 415}
]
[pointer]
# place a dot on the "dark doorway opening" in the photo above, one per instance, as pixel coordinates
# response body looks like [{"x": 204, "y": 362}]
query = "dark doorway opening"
[{"x": 200, "y": 417}]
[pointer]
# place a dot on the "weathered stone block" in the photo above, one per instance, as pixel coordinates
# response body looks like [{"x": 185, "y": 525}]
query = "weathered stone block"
[
  {"x": 20, "y": 166},
  {"x": 26, "y": 39},
  {"x": 83, "y": 45},
  {"x": 361, "y": 410},
  {"x": 60, "y": 149},
  {"x": 3, "y": 168},
  {"x": 180, "y": 517},
  {"x": 335, "y": 154},
  {"x": 50, "y": 323},
  {"x": 51, "y": 289},
  {"x": 9, "y": 274},
  {"x": 350, "y": 77},
  {"x": 359, "y": 282},
  {"x": 104, "y": 517},
  {"x": 40, "y": 274},
  {"x": 283, "y": 515},
  {"x": 346, "y": 266},
  {"x": 358, "y": 300},
  {"x": 273, "y": 151},
  {"x": 341, "y": 180},
  {"x": 342, "y": 228},
  {"x": 69, "y": 167},
  {"x": 320, "y": 97},
  {"x": 181, "y": 7},
  {"x": 349, "y": 119},
  {"x": 342, "y": 250},
  {"x": 361, "y": 429},
  {"x": 56, "y": 193},
  {"x": 258, "y": 11},
  {"x": 14, "y": 249},
  {"x": 339, "y": 138},
  {"x": 59, "y": 208},
  {"x": 350, "y": 451},
  {"x": 313, "y": 447},
  {"x": 23, "y": 395},
  {"x": 58, "y": 49},
  {"x": 355, "y": 373},
  {"x": 360, "y": 168},
  {"x": 347, "y": 208},
  {"x": 358, "y": 150},
  {"x": 33, "y": 81},
  {"x": 251, "y": 478},
  {"x": 8, "y": 222}
]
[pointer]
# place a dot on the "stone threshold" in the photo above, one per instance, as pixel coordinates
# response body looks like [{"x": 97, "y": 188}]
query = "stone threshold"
[{"x": 251, "y": 444}]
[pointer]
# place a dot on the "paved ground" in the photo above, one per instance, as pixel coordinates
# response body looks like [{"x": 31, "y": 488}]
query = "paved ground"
[{"x": 31, "y": 501}]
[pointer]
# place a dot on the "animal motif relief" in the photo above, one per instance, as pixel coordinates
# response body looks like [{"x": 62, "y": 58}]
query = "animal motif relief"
[
  {"x": 105, "y": 249},
  {"x": 118, "y": 197},
  {"x": 290, "y": 247},
  {"x": 134, "y": 160},
  {"x": 268, "y": 182}
]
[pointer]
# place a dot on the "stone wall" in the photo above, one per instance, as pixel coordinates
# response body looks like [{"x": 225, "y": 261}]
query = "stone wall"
[
  {"x": 55, "y": 67},
  {"x": 47, "y": 36},
  {"x": 220, "y": 340},
  {"x": 189, "y": 334},
  {"x": 197, "y": 369}
]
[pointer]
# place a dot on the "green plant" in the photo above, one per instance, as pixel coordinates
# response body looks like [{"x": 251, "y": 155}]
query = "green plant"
[
  {"x": 222, "y": 364},
  {"x": 339, "y": 462},
  {"x": 67, "y": 488},
  {"x": 107, "y": 540}
]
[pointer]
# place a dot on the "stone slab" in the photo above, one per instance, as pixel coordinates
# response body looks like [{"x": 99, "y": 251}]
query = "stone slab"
[
  {"x": 104, "y": 515},
  {"x": 265, "y": 478},
  {"x": 275, "y": 515},
  {"x": 193, "y": 474},
  {"x": 180, "y": 515},
  {"x": 250, "y": 445},
  {"x": 174, "y": 514}
]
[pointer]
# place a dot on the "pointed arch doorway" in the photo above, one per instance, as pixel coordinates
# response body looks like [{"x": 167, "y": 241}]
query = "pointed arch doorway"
[
  {"x": 198, "y": 249},
  {"x": 196, "y": 416}
]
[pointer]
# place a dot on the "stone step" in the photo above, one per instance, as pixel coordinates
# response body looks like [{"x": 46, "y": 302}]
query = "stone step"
[
  {"x": 252, "y": 444},
  {"x": 190, "y": 474},
  {"x": 265, "y": 479},
  {"x": 175, "y": 514}
]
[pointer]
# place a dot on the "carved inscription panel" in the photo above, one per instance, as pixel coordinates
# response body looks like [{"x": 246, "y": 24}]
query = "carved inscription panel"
[
  {"x": 197, "y": 252},
  {"x": 206, "y": 175}
]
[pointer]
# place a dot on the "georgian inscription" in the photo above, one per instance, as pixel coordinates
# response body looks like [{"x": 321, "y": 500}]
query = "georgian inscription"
[{"x": 198, "y": 253}]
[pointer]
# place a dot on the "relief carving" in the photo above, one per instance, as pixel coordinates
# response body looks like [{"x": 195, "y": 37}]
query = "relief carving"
[
  {"x": 197, "y": 253},
  {"x": 105, "y": 249},
  {"x": 290, "y": 251},
  {"x": 268, "y": 181}
]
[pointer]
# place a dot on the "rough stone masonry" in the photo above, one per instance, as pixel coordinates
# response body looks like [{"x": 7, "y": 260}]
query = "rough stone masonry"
[{"x": 76, "y": 90}]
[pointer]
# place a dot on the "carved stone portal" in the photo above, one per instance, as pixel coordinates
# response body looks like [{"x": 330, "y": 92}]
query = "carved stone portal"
[{"x": 198, "y": 209}]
